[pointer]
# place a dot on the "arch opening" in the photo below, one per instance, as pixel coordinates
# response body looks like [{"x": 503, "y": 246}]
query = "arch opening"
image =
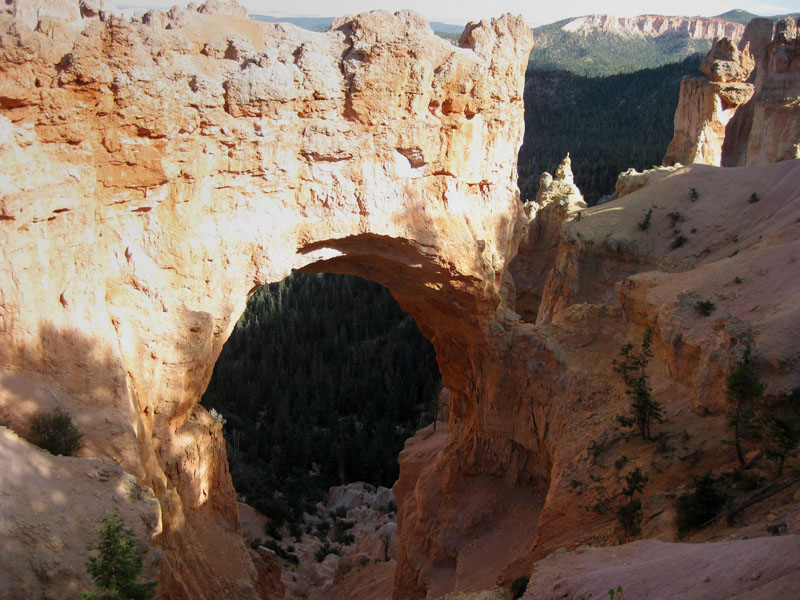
[{"x": 319, "y": 385}]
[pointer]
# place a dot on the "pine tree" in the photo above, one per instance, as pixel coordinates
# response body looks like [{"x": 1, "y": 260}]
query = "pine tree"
[
  {"x": 745, "y": 390},
  {"x": 116, "y": 568},
  {"x": 783, "y": 430},
  {"x": 633, "y": 368}
]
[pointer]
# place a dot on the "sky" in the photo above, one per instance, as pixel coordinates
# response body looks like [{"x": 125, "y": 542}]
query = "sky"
[{"x": 535, "y": 13}]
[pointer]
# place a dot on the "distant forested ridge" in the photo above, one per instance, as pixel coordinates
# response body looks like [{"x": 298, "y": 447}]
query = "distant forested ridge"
[
  {"x": 321, "y": 382},
  {"x": 607, "y": 124},
  {"x": 742, "y": 16},
  {"x": 600, "y": 53}
]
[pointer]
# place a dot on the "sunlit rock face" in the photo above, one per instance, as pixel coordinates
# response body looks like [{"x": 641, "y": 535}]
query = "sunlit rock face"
[
  {"x": 156, "y": 172},
  {"x": 746, "y": 112},
  {"x": 656, "y": 26}
]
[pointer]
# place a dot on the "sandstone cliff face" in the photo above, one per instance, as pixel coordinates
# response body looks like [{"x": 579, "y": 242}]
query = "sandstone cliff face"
[
  {"x": 740, "y": 116},
  {"x": 655, "y": 26},
  {"x": 156, "y": 172}
]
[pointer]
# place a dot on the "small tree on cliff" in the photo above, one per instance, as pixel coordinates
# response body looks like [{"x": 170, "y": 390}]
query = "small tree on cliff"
[
  {"x": 630, "y": 513},
  {"x": 116, "y": 568},
  {"x": 633, "y": 368},
  {"x": 745, "y": 391},
  {"x": 783, "y": 430}
]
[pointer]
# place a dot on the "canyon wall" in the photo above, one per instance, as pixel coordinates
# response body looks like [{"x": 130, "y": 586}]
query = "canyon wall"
[
  {"x": 656, "y": 26},
  {"x": 746, "y": 112},
  {"x": 155, "y": 173}
]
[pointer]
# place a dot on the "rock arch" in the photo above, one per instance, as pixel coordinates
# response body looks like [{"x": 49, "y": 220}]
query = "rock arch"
[{"x": 156, "y": 172}]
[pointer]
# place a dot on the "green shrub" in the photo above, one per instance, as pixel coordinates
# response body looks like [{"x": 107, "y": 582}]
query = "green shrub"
[
  {"x": 679, "y": 241},
  {"x": 777, "y": 528},
  {"x": 630, "y": 516},
  {"x": 324, "y": 551},
  {"x": 705, "y": 307},
  {"x": 635, "y": 481},
  {"x": 55, "y": 432},
  {"x": 281, "y": 552},
  {"x": 644, "y": 224},
  {"x": 693, "y": 194},
  {"x": 753, "y": 198},
  {"x": 116, "y": 568},
  {"x": 255, "y": 543},
  {"x": 519, "y": 585},
  {"x": 343, "y": 538},
  {"x": 675, "y": 217},
  {"x": 699, "y": 506}
]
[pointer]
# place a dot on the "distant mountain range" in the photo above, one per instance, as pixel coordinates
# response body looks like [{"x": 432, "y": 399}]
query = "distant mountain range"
[
  {"x": 742, "y": 16},
  {"x": 600, "y": 45}
]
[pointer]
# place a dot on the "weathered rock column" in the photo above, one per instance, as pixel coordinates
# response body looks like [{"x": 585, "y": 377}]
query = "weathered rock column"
[{"x": 742, "y": 116}]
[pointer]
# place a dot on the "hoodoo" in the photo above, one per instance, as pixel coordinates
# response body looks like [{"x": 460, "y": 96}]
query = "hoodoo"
[{"x": 746, "y": 112}]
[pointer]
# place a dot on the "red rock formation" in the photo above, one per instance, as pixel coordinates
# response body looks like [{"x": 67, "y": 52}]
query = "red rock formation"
[
  {"x": 739, "y": 119},
  {"x": 154, "y": 173},
  {"x": 655, "y": 26}
]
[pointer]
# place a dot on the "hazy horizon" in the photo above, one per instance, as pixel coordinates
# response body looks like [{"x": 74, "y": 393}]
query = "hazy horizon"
[{"x": 460, "y": 12}]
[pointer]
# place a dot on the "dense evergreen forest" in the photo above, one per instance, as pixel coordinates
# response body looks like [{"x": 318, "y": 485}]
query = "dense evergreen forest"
[
  {"x": 607, "y": 124},
  {"x": 324, "y": 376},
  {"x": 321, "y": 382}
]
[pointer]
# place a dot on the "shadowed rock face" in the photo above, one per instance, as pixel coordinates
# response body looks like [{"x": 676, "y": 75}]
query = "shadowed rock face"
[
  {"x": 155, "y": 173},
  {"x": 742, "y": 116}
]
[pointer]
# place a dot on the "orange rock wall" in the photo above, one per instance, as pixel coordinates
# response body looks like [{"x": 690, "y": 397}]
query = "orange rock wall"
[{"x": 155, "y": 173}]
